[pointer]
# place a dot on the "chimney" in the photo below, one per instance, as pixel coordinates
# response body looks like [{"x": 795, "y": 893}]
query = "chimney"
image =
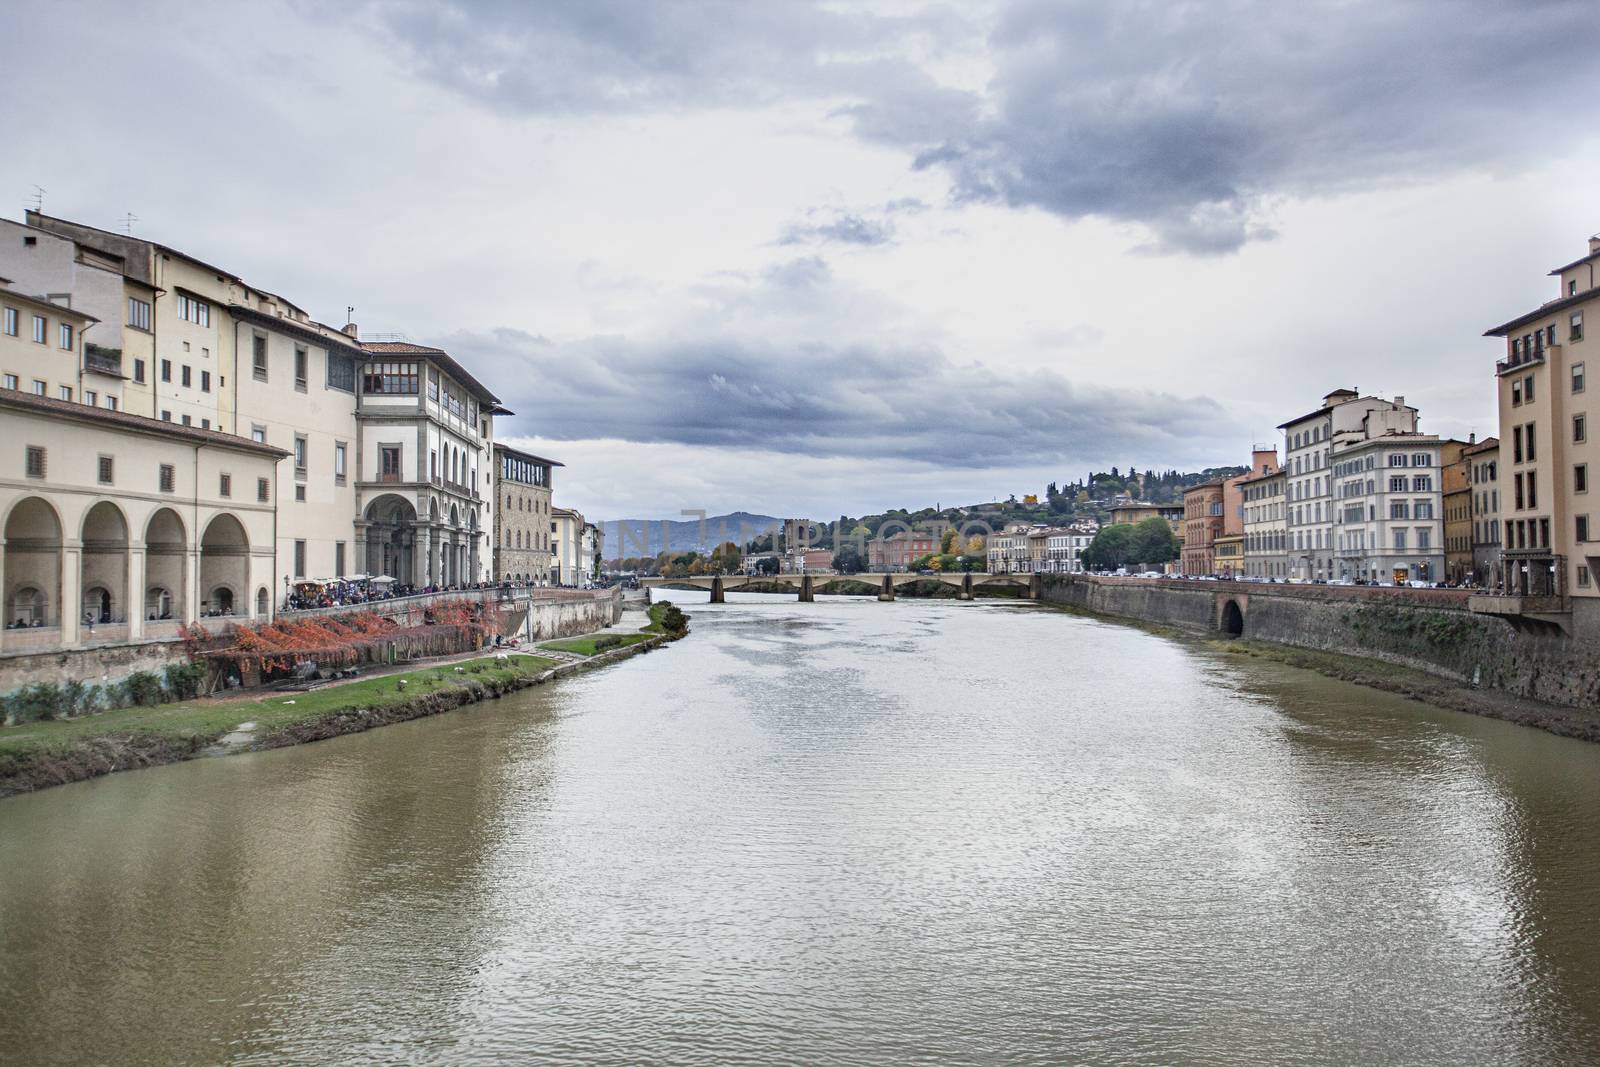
[
  {"x": 1472, "y": 438},
  {"x": 1399, "y": 402},
  {"x": 1594, "y": 244},
  {"x": 350, "y": 330}
]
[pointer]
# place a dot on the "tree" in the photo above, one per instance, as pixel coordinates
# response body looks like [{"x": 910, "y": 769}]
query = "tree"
[
  {"x": 950, "y": 542},
  {"x": 696, "y": 567},
  {"x": 726, "y": 558},
  {"x": 847, "y": 560},
  {"x": 1153, "y": 541},
  {"x": 975, "y": 545},
  {"x": 1109, "y": 549}
]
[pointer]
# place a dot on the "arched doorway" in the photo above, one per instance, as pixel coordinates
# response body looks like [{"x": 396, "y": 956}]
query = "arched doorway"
[
  {"x": 391, "y": 537},
  {"x": 104, "y": 566},
  {"x": 32, "y": 565},
  {"x": 224, "y": 564},
  {"x": 166, "y": 579},
  {"x": 1232, "y": 619}
]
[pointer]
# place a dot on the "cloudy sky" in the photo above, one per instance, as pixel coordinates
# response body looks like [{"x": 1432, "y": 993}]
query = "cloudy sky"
[{"x": 820, "y": 257}]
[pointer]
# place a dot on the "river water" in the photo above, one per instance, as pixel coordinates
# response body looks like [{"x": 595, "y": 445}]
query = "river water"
[{"x": 843, "y": 833}]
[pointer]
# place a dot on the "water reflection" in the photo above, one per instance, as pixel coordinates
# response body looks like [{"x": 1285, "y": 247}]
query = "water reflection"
[{"x": 837, "y": 832}]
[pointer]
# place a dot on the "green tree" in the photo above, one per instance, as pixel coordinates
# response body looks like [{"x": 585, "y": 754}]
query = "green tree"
[
  {"x": 847, "y": 560},
  {"x": 950, "y": 542},
  {"x": 1153, "y": 542},
  {"x": 726, "y": 558},
  {"x": 1109, "y": 549}
]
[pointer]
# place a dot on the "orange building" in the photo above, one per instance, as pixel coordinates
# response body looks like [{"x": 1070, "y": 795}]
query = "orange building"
[{"x": 1202, "y": 525}]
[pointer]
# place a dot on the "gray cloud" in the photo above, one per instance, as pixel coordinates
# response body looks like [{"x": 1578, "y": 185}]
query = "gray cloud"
[
  {"x": 1187, "y": 119},
  {"x": 898, "y": 404},
  {"x": 865, "y": 228}
]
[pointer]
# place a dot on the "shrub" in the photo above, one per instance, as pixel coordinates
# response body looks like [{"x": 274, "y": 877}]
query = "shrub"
[
  {"x": 184, "y": 680},
  {"x": 34, "y": 703},
  {"x": 606, "y": 641},
  {"x": 143, "y": 688},
  {"x": 71, "y": 699}
]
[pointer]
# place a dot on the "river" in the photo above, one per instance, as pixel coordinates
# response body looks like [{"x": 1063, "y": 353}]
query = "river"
[{"x": 833, "y": 833}]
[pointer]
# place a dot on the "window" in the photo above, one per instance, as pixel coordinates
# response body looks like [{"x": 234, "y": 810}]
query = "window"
[
  {"x": 1399, "y": 540},
  {"x": 1580, "y": 428},
  {"x": 300, "y": 494},
  {"x": 1397, "y": 484},
  {"x": 389, "y": 462},
  {"x": 166, "y": 416},
  {"x": 11, "y": 322},
  {"x": 258, "y": 434},
  {"x": 192, "y": 310},
  {"x": 338, "y": 559},
  {"x": 111, "y": 403},
  {"x": 1527, "y": 388},
  {"x": 138, "y": 371},
  {"x": 1422, "y": 509},
  {"x": 263, "y": 490},
  {"x": 11, "y": 381},
  {"x": 1583, "y": 575},
  {"x": 341, "y": 372},
  {"x": 38, "y": 387},
  {"x": 339, "y": 450},
  {"x": 1533, "y": 489},
  {"x": 66, "y": 336},
  {"x": 186, "y": 375},
  {"x": 1422, "y": 483},
  {"x": 258, "y": 357},
  {"x": 1516, "y": 394},
  {"x": 205, "y": 424},
  {"x": 391, "y": 378},
  {"x": 1424, "y": 538},
  {"x": 187, "y": 420},
  {"x": 433, "y": 384},
  {"x": 107, "y": 469},
  {"x": 64, "y": 392},
  {"x": 300, "y": 453},
  {"x": 300, "y": 365},
  {"x": 205, "y": 381},
  {"x": 1419, "y": 459},
  {"x": 1583, "y": 527},
  {"x": 1527, "y": 441},
  {"x": 1577, "y": 377},
  {"x": 138, "y": 313},
  {"x": 1572, "y": 287},
  {"x": 38, "y": 329},
  {"x": 1397, "y": 459},
  {"x": 36, "y": 465},
  {"x": 91, "y": 398},
  {"x": 1575, "y": 327},
  {"x": 168, "y": 477},
  {"x": 166, "y": 370},
  {"x": 1580, "y": 478},
  {"x": 299, "y": 559},
  {"x": 1399, "y": 509}
]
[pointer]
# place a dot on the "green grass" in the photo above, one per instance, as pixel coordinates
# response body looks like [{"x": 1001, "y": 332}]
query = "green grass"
[
  {"x": 214, "y": 718},
  {"x": 585, "y": 646}
]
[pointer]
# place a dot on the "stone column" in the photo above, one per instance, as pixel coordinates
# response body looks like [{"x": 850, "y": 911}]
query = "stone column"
[
  {"x": 136, "y": 575},
  {"x": 70, "y": 610},
  {"x": 189, "y": 610},
  {"x": 717, "y": 594},
  {"x": 808, "y": 592},
  {"x": 421, "y": 556}
]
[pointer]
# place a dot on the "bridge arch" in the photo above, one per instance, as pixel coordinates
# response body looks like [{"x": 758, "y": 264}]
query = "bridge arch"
[{"x": 1231, "y": 618}]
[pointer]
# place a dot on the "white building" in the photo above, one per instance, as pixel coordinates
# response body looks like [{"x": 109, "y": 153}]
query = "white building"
[
  {"x": 1389, "y": 516},
  {"x": 1308, "y": 444},
  {"x": 1008, "y": 549},
  {"x": 1064, "y": 548}
]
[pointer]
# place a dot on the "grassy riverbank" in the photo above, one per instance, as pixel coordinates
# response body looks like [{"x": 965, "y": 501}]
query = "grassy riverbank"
[
  {"x": 1431, "y": 689},
  {"x": 594, "y": 643}
]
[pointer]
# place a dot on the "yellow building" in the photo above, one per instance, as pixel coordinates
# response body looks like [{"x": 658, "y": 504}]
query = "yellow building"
[{"x": 1228, "y": 556}]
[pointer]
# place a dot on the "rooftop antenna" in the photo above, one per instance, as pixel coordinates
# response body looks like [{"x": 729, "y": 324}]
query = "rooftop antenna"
[
  {"x": 127, "y": 223},
  {"x": 349, "y": 314},
  {"x": 38, "y": 199}
]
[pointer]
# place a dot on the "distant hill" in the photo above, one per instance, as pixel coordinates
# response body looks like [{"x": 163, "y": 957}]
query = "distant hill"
[{"x": 643, "y": 537}]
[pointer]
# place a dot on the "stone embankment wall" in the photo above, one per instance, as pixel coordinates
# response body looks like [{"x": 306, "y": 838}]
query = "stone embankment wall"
[
  {"x": 1427, "y": 629},
  {"x": 100, "y": 665}
]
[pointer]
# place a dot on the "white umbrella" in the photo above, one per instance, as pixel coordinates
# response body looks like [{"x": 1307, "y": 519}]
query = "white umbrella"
[{"x": 383, "y": 579}]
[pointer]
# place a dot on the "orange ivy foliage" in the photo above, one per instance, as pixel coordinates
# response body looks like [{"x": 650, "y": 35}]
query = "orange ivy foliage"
[{"x": 332, "y": 641}]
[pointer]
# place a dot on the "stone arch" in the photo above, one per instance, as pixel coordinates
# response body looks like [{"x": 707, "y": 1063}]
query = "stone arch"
[
  {"x": 33, "y": 564},
  {"x": 224, "y": 564},
  {"x": 1232, "y": 618},
  {"x": 391, "y": 536},
  {"x": 103, "y": 567},
  {"x": 166, "y": 570}
]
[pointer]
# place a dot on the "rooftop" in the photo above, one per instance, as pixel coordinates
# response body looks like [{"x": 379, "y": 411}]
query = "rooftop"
[{"x": 43, "y": 405}]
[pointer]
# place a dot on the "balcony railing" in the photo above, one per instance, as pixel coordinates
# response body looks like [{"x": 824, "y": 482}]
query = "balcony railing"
[{"x": 1526, "y": 359}]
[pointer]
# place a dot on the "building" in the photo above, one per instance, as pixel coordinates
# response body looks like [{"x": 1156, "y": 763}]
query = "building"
[
  {"x": 1202, "y": 525},
  {"x": 1484, "y": 464},
  {"x": 1389, "y": 525},
  {"x": 1261, "y": 516},
  {"x": 522, "y": 539},
  {"x": 1546, "y": 453},
  {"x": 897, "y": 551},
  {"x": 1133, "y": 514},
  {"x": 1228, "y": 556},
  {"x": 120, "y": 528},
  {"x": 390, "y": 443},
  {"x": 801, "y": 560},
  {"x": 42, "y": 350},
  {"x": 566, "y": 546},
  {"x": 1008, "y": 551},
  {"x": 1064, "y": 547},
  {"x": 1456, "y": 500},
  {"x": 1308, "y": 445}
]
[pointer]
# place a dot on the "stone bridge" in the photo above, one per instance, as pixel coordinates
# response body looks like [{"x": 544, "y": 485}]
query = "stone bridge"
[{"x": 806, "y": 585}]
